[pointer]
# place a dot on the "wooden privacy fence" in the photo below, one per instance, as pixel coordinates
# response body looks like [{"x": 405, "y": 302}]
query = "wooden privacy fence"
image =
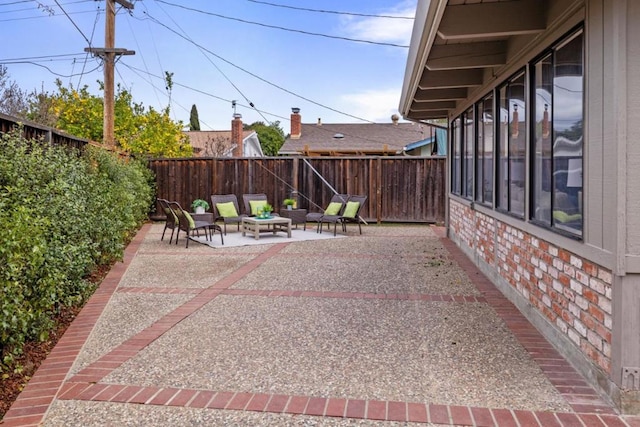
[
  {"x": 399, "y": 189},
  {"x": 49, "y": 135}
]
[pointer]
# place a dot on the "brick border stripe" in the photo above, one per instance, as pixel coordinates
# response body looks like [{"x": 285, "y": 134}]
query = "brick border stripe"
[{"x": 379, "y": 410}]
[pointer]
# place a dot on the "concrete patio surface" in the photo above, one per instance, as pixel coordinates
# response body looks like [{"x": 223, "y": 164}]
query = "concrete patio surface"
[{"x": 394, "y": 327}]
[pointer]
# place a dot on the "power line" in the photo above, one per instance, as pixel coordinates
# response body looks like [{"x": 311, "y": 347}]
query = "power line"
[
  {"x": 255, "y": 75},
  {"x": 366, "y": 15},
  {"x": 15, "y": 2},
  {"x": 30, "y": 9},
  {"x": 282, "y": 28},
  {"x": 200, "y": 91},
  {"x": 86, "y": 57},
  {"x": 41, "y": 57},
  {"x": 41, "y": 17},
  {"x": 50, "y": 70},
  {"x": 216, "y": 66},
  {"x": 73, "y": 22},
  {"x": 360, "y": 137}
]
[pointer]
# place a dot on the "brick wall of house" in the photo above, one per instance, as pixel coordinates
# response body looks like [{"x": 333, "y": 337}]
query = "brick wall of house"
[{"x": 571, "y": 292}]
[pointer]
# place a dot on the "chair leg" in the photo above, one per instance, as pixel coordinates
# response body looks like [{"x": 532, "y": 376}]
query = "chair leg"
[
  {"x": 177, "y": 235},
  {"x": 187, "y": 239},
  {"x": 335, "y": 225},
  {"x": 172, "y": 231},
  {"x": 165, "y": 229}
]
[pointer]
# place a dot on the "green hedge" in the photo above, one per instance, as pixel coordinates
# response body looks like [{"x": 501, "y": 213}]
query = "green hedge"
[{"x": 62, "y": 214}]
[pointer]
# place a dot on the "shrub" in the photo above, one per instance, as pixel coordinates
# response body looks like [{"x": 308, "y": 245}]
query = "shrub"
[{"x": 62, "y": 214}]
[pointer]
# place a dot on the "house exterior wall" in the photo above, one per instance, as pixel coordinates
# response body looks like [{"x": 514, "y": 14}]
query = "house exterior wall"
[
  {"x": 583, "y": 293},
  {"x": 566, "y": 290}
]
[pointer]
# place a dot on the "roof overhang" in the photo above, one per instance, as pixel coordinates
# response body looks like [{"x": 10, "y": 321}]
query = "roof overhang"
[{"x": 456, "y": 44}]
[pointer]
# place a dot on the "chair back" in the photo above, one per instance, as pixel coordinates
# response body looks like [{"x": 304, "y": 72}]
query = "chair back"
[
  {"x": 361, "y": 200},
  {"x": 247, "y": 198},
  {"x": 342, "y": 199},
  {"x": 183, "y": 222},
  {"x": 171, "y": 220},
  {"x": 223, "y": 198}
]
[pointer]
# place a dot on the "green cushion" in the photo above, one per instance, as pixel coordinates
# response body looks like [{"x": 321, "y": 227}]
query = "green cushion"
[
  {"x": 192, "y": 223},
  {"x": 169, "y": 213},
  {"x": 333, "y": 208},
  {"x": 257, "y": 205},
  {"x": 351, "y": 210},
  {"x": 227, "y": 210},
  {"x": 562, "y": 216}
]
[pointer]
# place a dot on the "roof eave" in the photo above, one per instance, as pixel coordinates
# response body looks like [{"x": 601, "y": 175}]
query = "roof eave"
[{"x": 428, "y": 16}]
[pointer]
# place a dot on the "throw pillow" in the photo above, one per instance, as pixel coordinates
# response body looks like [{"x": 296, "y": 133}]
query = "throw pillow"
[
  {"x": 227, "y": 210},
  {"x": 333, "y": 208},
  {"x": 192, "y": 223},
  {"x": 257, "y": 205},
  {"x": 351, "y": 210},
  {"x": 563, "y": 217}
]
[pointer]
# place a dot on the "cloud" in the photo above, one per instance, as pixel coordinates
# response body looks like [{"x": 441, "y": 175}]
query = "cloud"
[
  {"x": 374, "y": 105},
  {"x": 382, "y": 29}
]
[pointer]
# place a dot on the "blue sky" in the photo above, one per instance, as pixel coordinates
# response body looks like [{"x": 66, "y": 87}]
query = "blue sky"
[{"x": 216, "y": 58}]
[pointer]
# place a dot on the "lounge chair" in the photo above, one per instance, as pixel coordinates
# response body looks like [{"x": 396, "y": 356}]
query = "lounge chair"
[
  {"x": 187, "y": 224},
  {"x": 171, "y": 221},
  {"x": 225, "y": 207},
  {"x": 336, "y": 205}
]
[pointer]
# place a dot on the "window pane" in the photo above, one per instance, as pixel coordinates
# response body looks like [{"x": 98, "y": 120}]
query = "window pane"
[
  {"x": 480, "y": 153},
  {"x": 503, "y": 153},
  {"x": 487, "y": 141},
  {"x": 468, "y": 153},
  {"x": 456, "y": 141},
  {"x": 567, "y": 135},
  {"x": 517, "y": 144},
  {"x": 542, "y": 104}
]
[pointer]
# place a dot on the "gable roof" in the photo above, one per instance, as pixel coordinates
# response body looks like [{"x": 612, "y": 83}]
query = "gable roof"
[
  {"x": 357, "y": 138},
  {"x": 201, "y": 140}
]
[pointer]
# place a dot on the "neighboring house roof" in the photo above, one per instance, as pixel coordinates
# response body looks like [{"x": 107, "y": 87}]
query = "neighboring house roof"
[
  {"x": 218, "y": 143},
  {"x": 355, "y": 139}
]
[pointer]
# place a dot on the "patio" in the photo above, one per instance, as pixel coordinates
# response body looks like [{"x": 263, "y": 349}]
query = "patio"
[{"x": 394, "y": 325}]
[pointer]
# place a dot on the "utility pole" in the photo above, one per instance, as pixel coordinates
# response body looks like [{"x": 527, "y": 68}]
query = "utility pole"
[{"x": 108, "y": 54}]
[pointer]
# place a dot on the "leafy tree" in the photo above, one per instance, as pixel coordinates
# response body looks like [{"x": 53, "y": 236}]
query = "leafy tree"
[
  {"x": 138, "y": 130},
  {"x": 271, "y": 137},
  {"x": 13, "y": 100},
  {"x": 194, "y": 121}
]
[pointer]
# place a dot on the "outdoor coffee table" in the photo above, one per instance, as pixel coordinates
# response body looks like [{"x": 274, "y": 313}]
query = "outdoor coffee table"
[{"x": 272, "y": 225}]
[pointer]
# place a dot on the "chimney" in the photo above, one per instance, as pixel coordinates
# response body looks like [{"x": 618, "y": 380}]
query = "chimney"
[
  {"x": 236, "y": 135},
  {"x": 319, "y": 121},
  {"x": 395, "y": 119},
  {"x": 296, "y": 123}
]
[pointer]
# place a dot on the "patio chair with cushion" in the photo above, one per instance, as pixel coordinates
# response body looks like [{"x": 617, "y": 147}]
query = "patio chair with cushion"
[
  {"x": 350, "y": 213},
  {"x": 171, "y": 221},
  {"x": 187, "y": 224},
  {"x": 335, "y": 207},
  {"x": 253, "y": 203},
  {"x": 225, "y": 207}
]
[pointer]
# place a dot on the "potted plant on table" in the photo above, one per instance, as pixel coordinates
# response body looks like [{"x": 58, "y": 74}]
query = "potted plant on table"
[
  {"x": 199, "y": 206},
  {"x": 289, "y": 203}
]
